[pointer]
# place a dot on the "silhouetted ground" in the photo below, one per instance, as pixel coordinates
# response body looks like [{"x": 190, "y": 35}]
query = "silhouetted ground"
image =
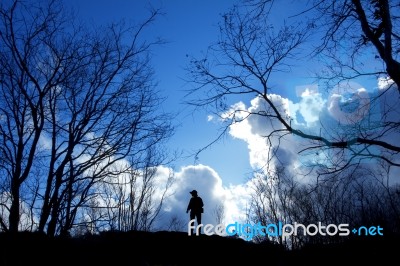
[{"x": 176, "y": 248}]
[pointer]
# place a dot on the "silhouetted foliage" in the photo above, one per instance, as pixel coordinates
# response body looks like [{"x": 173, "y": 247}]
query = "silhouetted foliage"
[
  {"x": 78, "y": 109},
  {"x": 251, "y": 50},
  {"x": 357, "y": 198}
]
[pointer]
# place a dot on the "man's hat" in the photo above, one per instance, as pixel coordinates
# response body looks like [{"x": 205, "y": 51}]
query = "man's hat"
[{"x": 193, "y": 192}]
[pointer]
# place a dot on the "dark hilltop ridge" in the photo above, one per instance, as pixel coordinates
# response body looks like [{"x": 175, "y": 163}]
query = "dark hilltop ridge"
[{"x": 177, "y": 248}]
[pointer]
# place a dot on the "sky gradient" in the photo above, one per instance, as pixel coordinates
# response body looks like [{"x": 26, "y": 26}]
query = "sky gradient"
[
  {"x": 221, "y": 172},
  {"x": 188, "y": 27}
]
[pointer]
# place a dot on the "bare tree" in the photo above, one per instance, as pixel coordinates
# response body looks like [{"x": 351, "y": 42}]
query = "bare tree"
[
  {"x": 133, "y": 200},
  {"x": 251, "y": 50},
  {"x": 272, "y": 201},
  {"x": 219, "y": 213},
  {"x": 75, "y": 101},
  {"x": 176, "y": 224},
  {"x": 354, "y": 196},
  {"x": 374, "y": 28}
]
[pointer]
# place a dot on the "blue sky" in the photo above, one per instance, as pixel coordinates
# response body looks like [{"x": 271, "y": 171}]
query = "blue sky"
[
  {"x": 188, "y": 27},
  {"x": 222, "y": 172}
]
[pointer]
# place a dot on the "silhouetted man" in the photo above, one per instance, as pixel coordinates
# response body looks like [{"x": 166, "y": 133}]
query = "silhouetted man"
[{"x": 196, "y": 208}]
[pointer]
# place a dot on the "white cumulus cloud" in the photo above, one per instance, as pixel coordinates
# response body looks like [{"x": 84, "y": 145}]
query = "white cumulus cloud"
[{"x": 209, "y": 186}]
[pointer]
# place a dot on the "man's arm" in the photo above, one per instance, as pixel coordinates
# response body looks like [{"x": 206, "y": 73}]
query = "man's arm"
[{"x": 189, "y": 206}]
